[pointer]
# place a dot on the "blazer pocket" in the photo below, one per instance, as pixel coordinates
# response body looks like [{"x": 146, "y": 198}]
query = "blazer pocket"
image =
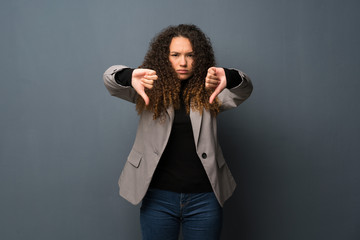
[{"x": 134, "y": 158}]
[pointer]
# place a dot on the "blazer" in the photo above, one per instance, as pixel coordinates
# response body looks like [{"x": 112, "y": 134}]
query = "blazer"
[{"x": 152, "y": 137}]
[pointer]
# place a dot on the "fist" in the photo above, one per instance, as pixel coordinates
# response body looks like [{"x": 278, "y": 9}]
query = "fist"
[
  {"x": 215, "y": 80},
  {"x": 145, "y": 77},
  {"x": 141, "y": 79}
]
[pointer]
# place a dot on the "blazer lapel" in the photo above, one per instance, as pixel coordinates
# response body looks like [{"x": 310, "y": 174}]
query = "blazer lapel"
[
  {"x": 171, "y": 113},
  {"x": 196, "y": 119}
]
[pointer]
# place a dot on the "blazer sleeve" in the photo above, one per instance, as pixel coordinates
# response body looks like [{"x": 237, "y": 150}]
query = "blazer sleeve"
[
  {"x": 115, "y": 89},
  {"x": 233, "y": 97}
]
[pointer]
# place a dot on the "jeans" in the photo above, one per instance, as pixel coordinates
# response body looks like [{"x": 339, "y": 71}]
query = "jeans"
[{"x": 163, "y": 213}]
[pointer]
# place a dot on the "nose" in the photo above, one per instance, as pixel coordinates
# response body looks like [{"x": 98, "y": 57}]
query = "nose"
[{"x": 183, "y": 61}]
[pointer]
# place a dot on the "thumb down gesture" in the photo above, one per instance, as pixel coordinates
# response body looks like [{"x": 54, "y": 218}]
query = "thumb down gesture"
[
  {"x": 141, "y": 79},
  {"x": 216, "y": 80}
]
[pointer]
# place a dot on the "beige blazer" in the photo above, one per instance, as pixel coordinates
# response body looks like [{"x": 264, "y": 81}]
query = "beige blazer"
[{"x": 152, "y": 137}]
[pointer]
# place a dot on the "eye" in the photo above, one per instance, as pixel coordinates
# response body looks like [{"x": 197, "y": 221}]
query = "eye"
[{"x": 174, "y": 54}]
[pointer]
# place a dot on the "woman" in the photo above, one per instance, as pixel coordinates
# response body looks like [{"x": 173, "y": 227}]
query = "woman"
[{"x": 176, "y": 167}]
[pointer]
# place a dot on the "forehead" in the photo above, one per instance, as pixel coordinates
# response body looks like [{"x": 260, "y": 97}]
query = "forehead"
[{"x": 180, "y": 44}]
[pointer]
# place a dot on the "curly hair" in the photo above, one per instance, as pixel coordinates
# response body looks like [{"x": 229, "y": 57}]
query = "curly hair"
[{"x": 166, "y": 90}]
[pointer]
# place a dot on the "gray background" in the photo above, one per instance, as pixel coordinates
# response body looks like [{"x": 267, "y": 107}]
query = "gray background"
[{"x": 293, "y": 147}]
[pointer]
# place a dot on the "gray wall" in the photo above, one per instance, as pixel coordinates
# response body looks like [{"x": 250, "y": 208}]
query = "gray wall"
[{"x": 293, "y": 147}]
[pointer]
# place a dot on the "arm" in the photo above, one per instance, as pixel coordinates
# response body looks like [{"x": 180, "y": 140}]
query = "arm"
[
  {"x": 234, "y": 95},
  {"x": 115, "y": 88},
  {"x": 231, "y": 86},
  {"x": 127, "y": 83}
]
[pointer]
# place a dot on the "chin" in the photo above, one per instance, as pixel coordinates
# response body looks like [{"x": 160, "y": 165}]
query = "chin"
[{"x": 184, "y": 77}]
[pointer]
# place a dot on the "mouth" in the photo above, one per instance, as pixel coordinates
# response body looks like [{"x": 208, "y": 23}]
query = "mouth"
[{"x": 182, "y": 71}]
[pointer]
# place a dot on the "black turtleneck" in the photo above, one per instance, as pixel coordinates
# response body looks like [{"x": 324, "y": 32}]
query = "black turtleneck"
[{"x": 180, "y": 169}]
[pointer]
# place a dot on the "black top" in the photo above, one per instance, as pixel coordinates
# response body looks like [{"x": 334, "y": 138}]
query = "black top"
[{"x": 180, "y": 169}]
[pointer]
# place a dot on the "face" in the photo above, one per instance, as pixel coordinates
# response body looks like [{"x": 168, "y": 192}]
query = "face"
[{"x": 181, "y": 57}]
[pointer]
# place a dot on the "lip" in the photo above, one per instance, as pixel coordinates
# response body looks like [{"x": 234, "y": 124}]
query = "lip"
[{"x": 182, "y": 71}]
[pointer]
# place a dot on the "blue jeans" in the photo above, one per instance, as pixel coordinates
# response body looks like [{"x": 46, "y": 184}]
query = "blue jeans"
[{"x": 163, "y": 212}]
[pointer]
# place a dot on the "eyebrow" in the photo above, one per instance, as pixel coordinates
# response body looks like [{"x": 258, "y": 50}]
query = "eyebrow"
[{"x": 179, "y": 52}]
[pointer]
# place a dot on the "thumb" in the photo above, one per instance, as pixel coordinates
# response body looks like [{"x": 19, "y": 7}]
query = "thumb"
[
  {"x": 144, "y": 96},
  {"x": 139, "y": 88},
  {"x": 216, "y": 92}
]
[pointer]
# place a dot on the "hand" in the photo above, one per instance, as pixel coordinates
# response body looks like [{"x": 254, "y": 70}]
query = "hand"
[
  {"x": 141, "y": 79},
  {"x": 215, "y": 79}
]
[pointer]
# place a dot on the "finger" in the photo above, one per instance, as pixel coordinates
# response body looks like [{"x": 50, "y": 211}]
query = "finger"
[
  {"x": 151, "y": 72},
  {"x": 212, "y": 77},
  {"x": 212, "y": 71},
  {"x": 212, "y": 81},
  {"x": 212, "y": 85},
  {"x": 149, "y": 86},
  {"x": 141, "y": 91},
  {"x": 212, "y": 97},
  {"x": 145, "y": 97},
  {"x": 139, "y": 72},
  {"x": 147, "y": 81},
  {"x": 215, "y": 93},
  {"x": 151, "y": 77}
]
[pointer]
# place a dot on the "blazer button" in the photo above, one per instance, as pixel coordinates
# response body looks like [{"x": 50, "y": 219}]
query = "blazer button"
[{"x": 204, "y": 156}]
